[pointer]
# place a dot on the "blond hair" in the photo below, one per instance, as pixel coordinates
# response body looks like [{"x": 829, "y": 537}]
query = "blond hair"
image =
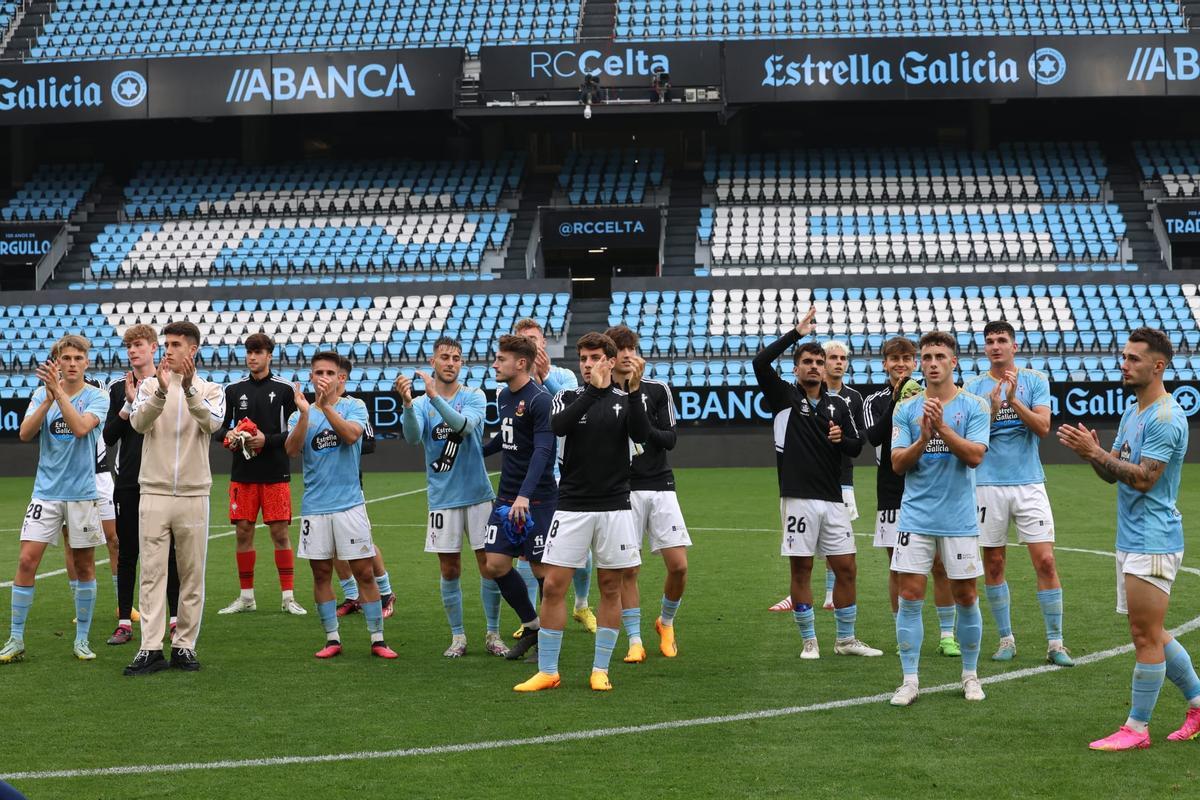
[
  {"x": 836, "y": 346},
  {"x": 72, "y": 340},
  {"x": 143, "y": 332}
]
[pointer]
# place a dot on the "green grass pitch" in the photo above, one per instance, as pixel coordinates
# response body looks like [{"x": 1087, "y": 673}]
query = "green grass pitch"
[{"x": 262, "y": 695}]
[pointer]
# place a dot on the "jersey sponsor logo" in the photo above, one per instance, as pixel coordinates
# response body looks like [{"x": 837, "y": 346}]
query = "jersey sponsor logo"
[
  {"x": 936, "y": 446},
  {"x": 441, "y": 432},
  {"x": 325, "y": 440},
  {"x": 59, "y": 429},
  {"x": 445, "y": 462}
]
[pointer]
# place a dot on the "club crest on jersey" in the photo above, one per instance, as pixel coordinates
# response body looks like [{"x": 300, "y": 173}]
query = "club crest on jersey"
[
  {"x": 520, "y": 412},
  {"x": 325, "y": 440}
]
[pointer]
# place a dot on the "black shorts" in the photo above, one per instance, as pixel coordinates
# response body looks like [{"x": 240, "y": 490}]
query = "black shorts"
[{"x": 541, "y": 512}]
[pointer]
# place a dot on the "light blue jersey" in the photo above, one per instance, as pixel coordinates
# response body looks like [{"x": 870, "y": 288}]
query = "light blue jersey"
[
  {"x": 66, "y": 463},
  {"x": 559, "y": 378},
  {"x": 939, "y": 492},
  {"x": 1013, "y": 458},
  {"x": 331, "y": 467},
  {"x": 453, "y": 447},
  {"x": 1150, "y": 522}
]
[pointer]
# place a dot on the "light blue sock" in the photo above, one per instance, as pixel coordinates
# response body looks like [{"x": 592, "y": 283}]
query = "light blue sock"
[
  {"x": 829, "y": 580},
  {"x": 669, "y": 609},
  {"x": 946, "y": 620},
  {"x": 910, "y": 632},
  {"x": 22, "y": 601},
  {"x": 374, "y": 615},
  {"x": 845, "y": 621},
  {"x": 74, "y": 587},
  {"x": 327, "y": 611},
  {"x": 1180, "y": 670},
  {"x": 549, "y": 643},
  {"x": 969, "y": 632},
  {"x": 85, "y": 605},
  {"x": 114, "y": 579},
  {"x": 997, "y": 597},
  {"x": 606, "y": 640},
  {"x": 583, "y": 583},
  {"x": 526, "y": 573},
  {"x": 1147, "y": 682},
  {"x": 631, "y": 618},
  {"x": 489, "y": 593},
  {"x": 384, "y": 582},
  {"x": 349, "y": 588},
  {"x": 452, "y": 600},
  {"x": 1051, "y": 602},
  {"x": 806, "y": 621}
]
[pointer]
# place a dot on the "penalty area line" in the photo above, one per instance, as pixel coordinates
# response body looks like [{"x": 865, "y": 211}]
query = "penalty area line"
[{"x": 576, "y": 736}]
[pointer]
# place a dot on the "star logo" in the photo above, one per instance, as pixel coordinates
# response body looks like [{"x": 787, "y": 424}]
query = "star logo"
[
  {"x": 1047, "y": 66},
  {"x": 1188, "y": 398},
  {"x": 129, "y": 89}
]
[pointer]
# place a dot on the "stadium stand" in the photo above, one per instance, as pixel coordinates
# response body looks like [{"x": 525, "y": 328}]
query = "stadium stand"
[
  {"x": 53, "y": 192},
  {"x": 380, "y": 333},
  {"x": 615, "y": 176},
  {"x": 85, "y": 30},
  {"x": 898, "y": 210},
  {"x": 767, "y": 19},
  {"x": 1170, "y": 165},
  {"x": 217, "y": 221},
  {"x": 707, "y": 336}
]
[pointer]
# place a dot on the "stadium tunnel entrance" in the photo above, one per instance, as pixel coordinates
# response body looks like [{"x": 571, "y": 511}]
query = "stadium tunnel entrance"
[{"x": 592, "y": 245}]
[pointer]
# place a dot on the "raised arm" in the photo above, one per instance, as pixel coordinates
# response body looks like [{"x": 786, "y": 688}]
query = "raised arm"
[
  {"x": 39, "y": 406},
  {"x": 662, "y": 424},
  {"x": 877, "y": 417}
]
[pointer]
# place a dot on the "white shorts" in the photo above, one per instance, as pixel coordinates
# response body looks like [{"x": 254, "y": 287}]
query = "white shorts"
[
  {"x": 815, "y": 528},
  {"x": 885, "y": 527},
  {"x": 849, "y": 502},
  {"x": 1157, "y": 569},
  {"x": 44, "y": 521},
  {"x": 657, "y": 515},
  {"x": 608, "y": 534},
  {"x": 1026, "y": 506},
  {"x": 104, "y": 484},
  {"x": 447, "y": 526},
  {"x": 915, "y": 551},
  {"x": 343, "y": 534}
]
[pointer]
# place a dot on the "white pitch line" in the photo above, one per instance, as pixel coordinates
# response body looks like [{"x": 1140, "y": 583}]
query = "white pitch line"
[
  {"x": 222, "y": 535},
  {"x": 576, "y": 736}
]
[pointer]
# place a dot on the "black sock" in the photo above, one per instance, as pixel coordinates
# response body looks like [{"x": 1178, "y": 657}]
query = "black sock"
[{"x": 512, "y": 589}]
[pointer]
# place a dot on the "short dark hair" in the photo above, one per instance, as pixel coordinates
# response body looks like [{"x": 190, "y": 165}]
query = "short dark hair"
[
  {"x": 594, "y": 340},
  {"x": 808, "y": 347},
  {"x": 519, "y": 346},
  {"x": 341, "y": 362},
  {"x": 1000, "y": 326},
  {"x": 1155, "y": 340},
  {"x": 899, "y": 346},
  {"x": 182, "y": 328},
  {"x": 939, "y": 339},
  {"x": 447, "y": 341},
  {"x": 259, "y": 343},
  {"x": 623, "y": 336}
]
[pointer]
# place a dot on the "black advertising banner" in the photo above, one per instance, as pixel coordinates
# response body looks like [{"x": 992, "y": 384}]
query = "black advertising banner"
[
  {"x": 73, "y": 92},
  {"x": 610, "y": 226},
  {"x": 307, "y": 83},
  {"x": 1181, "y": 220},
  {"x": 725, "y": 406},
  {"x": 26, "y": 243},
  {"x": 1121, "y": 66},
  {"x": 1093, "y": 403},
  {"x": 206, "y": 87},
  {"x": 629, "y": 64}
]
